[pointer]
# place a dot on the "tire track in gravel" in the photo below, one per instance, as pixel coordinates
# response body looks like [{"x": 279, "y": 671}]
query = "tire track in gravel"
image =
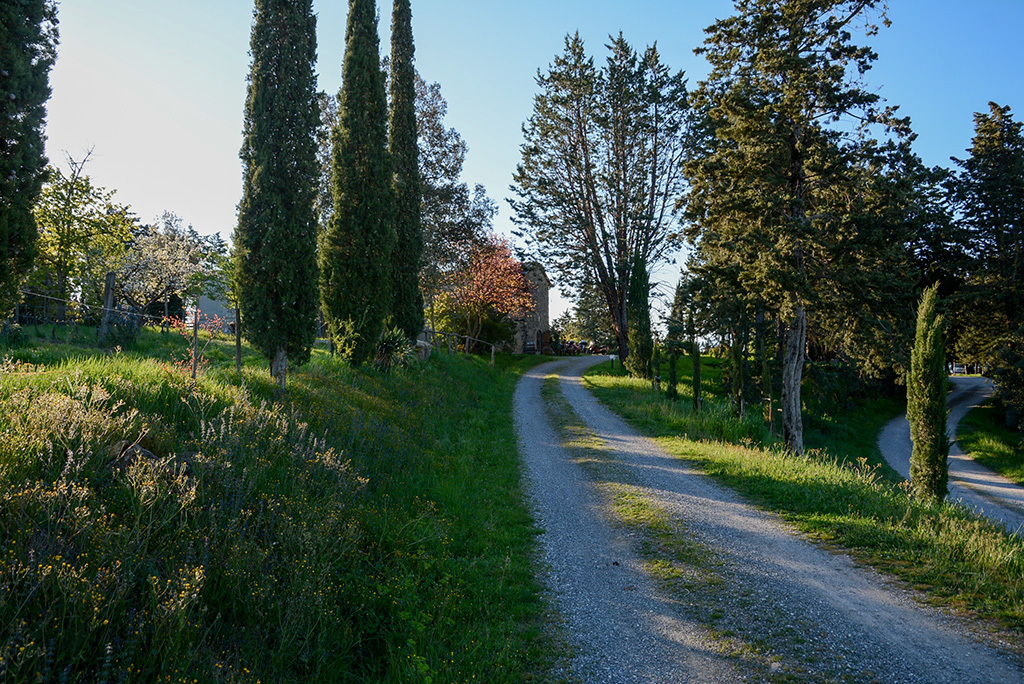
[{"x": 821, "y": 617}]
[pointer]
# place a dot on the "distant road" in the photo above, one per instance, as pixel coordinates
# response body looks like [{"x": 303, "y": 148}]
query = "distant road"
[{"x": 973, "y": 485}]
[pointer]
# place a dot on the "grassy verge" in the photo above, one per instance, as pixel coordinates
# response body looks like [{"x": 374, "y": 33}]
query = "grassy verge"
[
  {"x": 367, "y": 528},
  {"x": 983, "y": 434},
  {"x": 958, "y": 560}
]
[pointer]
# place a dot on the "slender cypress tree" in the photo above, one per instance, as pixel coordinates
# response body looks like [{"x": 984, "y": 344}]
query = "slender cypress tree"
[
  {"x": 926, "y": 403},
  {"x": 407, "y": 304},
  {"x": 356, "y": 247},
  {"x": 28, "y": 44},
  {"x": 641, "y": 342},
  {"x": 275, "y": 240}
]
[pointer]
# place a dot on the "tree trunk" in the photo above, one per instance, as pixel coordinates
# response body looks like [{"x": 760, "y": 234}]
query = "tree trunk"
[
  {"x": 279, "y": 367},
  {"x": 695, "y": 357},
  {"x": 792, "y": 374}
]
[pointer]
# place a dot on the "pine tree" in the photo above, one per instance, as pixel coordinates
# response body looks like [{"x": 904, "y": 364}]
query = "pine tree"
[
  {"x": 275, "y": 241},
  {"x": 784, "y": 191},
  {"x": 926, "y": 402},
  {"x": 28, "y": 44},
  {"x": 356, "y": 247},
  {"x": 407, "y": 304},
  {"x": 641, "y": 342}
]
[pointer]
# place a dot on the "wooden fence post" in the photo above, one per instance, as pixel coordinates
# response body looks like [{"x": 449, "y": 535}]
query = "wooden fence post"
[
  {"x": 108, "y": 306},
  {"x": 238, "y": 340}
]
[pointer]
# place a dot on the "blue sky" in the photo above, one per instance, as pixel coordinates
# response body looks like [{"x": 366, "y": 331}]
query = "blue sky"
[{"x": 157, "y": 88}]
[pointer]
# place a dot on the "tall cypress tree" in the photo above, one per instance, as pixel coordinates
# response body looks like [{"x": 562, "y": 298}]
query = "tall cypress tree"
[
  {"x": 28, "y": 49},
  {"x": 641, "y": 342},
  {"x": 275, "y": 241},
  {"x": 926, "y": 402},
  {"x": 407, "y": 304},
  {"x": 356, "y": 247}
]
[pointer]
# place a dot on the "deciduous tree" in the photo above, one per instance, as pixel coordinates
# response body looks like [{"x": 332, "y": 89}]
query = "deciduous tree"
[
  {"x": 80, "y": 227},
  {"x": 28, "y": 49},
  {"x": 357, "y": 246},
  {"x": 275, "y": 241},
  {"x": 492, "y": 281}
]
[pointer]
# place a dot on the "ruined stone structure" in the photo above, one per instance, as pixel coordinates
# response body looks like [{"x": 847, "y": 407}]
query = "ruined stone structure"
[{"x": 533, "y": 331}]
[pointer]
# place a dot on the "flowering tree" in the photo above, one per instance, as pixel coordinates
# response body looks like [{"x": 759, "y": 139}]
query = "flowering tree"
[
  {"x": 168, "y": 259},
  {"x": 492, "y": 281}
]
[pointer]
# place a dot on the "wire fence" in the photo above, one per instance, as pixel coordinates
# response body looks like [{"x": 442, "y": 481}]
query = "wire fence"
[{"x": 451, "y": 342}]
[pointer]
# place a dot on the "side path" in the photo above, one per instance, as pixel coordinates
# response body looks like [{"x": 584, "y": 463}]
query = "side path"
[
  {"x": 840, "y": 621},
  {"x": 970, "y": 483}
]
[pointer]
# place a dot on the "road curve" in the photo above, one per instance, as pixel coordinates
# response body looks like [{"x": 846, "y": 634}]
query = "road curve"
[
  {"x": 971, "y": 484},
  {"x": 821, "y": 617}
]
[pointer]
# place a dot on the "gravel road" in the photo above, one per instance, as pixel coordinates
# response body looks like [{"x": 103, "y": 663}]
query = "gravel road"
[
  {"x": 973, "y": 485},
  {"x": 796, "y": 610}
]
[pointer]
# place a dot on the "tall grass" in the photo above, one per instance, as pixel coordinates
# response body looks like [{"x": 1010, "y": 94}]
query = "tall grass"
[
  {"x": 366, "y": 528},
  {"x": 983, "y": 434}
]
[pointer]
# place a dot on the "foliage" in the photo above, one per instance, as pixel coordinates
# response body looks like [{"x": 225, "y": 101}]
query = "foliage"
[
  {"x": 83, "y": 235},
  {"x": 275, "y": 241},
  {"x": 587, "y": 319},
  {"x": 493, "y": 281},
  {"x": 641, "y": 342},
  {"x": 28, "y": 49},
  {"x": 600, "y": 175},
  {"x": 407, "y": 303},
  {"x": 394, "y": 350},
  {"x": 794, "y": 203},
  {"x": 990, "y": 196},
  {"x": 169, "y": 259},
  {"x": 926, "y": 402},
  {"x": 356, "y": 247}
]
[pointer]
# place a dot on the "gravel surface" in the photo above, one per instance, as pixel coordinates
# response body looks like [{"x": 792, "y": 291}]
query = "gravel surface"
[
  {"x": 970, "y": 483},
  {"x": 780, "y": 607}
]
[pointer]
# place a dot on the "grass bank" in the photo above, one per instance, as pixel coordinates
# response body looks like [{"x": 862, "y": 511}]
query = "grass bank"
[
  {"x": 366, "y": 528},
  {"x": 840, "y": 494},
  {"x": 983, "y": 434}
]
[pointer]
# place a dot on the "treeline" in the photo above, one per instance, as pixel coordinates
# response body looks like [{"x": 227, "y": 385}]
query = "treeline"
[{"x": 813, "y": 227}]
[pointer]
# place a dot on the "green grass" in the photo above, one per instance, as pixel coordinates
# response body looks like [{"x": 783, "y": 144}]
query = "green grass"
[
  {"x": 363, "y": 528},
  {"x": 983, "y": 434},
  {"x": 841, "y": 495}
]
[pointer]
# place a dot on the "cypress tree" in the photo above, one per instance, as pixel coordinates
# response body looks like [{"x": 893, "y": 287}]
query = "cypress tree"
[
  {"x": 641, "y": 342},
  {"x": 356, "y": 247},
  {"x": 28, "y": 44},
  {"x": 926, "y": 402},
  {"x": 407, "y": 302},
  {"x": 275, "y": 241}
]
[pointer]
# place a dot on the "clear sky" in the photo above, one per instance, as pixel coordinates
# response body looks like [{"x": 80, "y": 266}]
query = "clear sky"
[{"x": 157, "y": 88}]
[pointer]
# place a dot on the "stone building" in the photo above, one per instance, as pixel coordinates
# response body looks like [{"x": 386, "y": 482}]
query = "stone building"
[{"x": 533, "y": 331}]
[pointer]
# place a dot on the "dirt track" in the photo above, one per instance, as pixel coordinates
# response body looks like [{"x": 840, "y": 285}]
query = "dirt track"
[
  {"x": 973, "y": 485},
  {"x": 783, "y": 607}
]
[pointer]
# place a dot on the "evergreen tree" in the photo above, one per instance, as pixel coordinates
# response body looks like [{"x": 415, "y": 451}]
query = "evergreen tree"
[
  {"x": 990, "y": 191},
  {"x": 926, "y": 402},
  {"x": 784, "y": 192},
  {"x": 641, "y": 342},
  {"x": 275, "y": 241},
  {"x": 28, "y": 49},
  {"x": 600, "y": 177},
  {"x": 407, "y": 305},
  {"x": 356, "y": 247}
]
